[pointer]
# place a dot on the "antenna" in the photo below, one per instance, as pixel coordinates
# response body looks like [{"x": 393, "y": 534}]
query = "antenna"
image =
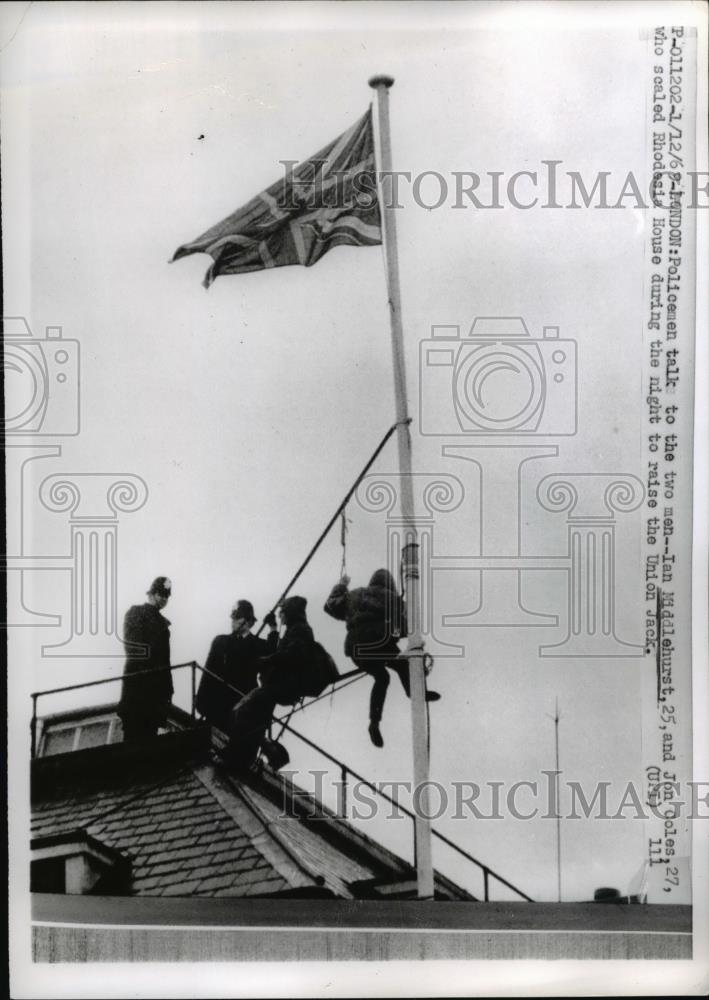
[{"x": 556, "y": 716}]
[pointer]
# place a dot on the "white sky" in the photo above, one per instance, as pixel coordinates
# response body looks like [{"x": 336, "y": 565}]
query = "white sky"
[{"x": 249, "y": 409}]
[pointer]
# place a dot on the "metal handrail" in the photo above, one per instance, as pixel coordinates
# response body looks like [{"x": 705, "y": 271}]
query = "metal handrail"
[
  {"x": 36, "y": 695},
  {"x": 345, "y": 769}
]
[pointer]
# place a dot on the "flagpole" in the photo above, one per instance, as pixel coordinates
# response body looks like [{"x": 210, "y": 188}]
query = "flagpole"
[{"x": 422, "y": 824}]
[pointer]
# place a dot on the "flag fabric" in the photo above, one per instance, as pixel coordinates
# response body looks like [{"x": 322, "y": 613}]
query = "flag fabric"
[{"x": 324, "y": 202}]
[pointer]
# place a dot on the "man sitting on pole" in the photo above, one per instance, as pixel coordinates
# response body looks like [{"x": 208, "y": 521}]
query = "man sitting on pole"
[{"x": 375, "y": 617}]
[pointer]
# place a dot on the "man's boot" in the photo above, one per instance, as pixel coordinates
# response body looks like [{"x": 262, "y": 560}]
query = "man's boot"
[{"x": 375, "y": 735}]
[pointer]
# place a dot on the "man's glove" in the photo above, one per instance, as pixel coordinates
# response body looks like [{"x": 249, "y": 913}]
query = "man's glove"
[{"x": 270, "y": 620}]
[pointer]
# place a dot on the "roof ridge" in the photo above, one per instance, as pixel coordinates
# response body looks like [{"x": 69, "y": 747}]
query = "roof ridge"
[
  {"x": 226, "y": 791},
  {"x": 274, "y": 829},
  {"x": 279, "y": 834},
  {"x": 341, "y": 827}
]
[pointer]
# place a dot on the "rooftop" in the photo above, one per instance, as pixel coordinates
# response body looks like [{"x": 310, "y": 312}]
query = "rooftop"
[
  {"x": 186, "y": 826},
  {"x": 156, "y": 851}
]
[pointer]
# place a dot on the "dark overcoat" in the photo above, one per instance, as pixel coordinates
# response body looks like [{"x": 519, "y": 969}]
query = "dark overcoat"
[
  {"x": 234, "y": 660},
  {"x": 146, "y": 698},
  {"x": 281, "y": 672},
  {"x": 374, "y": 616}
]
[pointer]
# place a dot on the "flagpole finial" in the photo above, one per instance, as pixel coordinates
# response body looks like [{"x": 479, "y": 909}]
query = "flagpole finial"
[{"x": 381, "y": 81}]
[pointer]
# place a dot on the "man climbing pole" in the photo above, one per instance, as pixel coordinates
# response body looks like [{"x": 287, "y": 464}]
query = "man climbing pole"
[
  {"x": 375, "y": 618},
  {"x": 233, "y": 662}
]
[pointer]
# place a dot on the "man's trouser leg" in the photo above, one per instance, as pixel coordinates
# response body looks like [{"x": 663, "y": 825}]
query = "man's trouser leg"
[
  {"x": 400, "y": 666},
  {"x": 376, "y": 669},
  {"x": 249, "y": 721}
]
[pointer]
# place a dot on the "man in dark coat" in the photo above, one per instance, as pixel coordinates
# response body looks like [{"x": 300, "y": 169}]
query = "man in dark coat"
[
  {"x": 281, "y": 684},
  {"x": 146, "y": 634},
  {"x": 375, "y": 618},
  {"x": 233, "y": 662}
]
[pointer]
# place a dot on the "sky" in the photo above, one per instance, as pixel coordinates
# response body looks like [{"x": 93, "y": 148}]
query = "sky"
[{"x": 249, "y": 409}]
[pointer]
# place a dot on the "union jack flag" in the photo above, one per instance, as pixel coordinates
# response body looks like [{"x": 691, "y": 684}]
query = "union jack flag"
[{"x": 328, "y": 200}]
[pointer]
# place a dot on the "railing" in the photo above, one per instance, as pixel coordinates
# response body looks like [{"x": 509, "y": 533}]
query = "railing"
[
  {"x": 345, "y": 770},
  {"x": 36, "y": 695}
]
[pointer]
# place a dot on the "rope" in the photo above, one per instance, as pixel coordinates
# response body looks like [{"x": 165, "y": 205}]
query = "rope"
[
  {"x": 350, "y": 677},
  {"x": 326, "y": 694},
  {"x": 301, "y": 705},
  {"x": 335, "y": 516},
  {"x": 343, "y": 543},
  {"x": 294, "y": 708},
  {"x": 340, "y": 512}
]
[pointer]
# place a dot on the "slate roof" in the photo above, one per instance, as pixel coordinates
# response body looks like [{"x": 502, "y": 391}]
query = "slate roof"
[
  {"x": 190, "y": 828},
  {"x": 177, "y": 836}
]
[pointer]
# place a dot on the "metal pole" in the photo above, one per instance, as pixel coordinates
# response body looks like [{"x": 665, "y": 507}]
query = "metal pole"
[
  {"x": 343, "y": 777},
  {"x": 422, "y": 825},
  {"x": 33, "y": 726},
  {"x": 558, "y": 809},
  {"x": 194, "y": 687}
]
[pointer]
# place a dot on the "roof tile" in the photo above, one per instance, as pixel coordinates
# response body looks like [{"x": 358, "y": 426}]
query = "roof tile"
[
  {"x": 150, "y": 838},
  {"x": 231, "y": 854},
  {"x": 170, "y": 878},
  {"x": 194, "y": 851},
  {"x": 249, "y": 876},
  {"x": 181, "y": 830},
  {"x": 178, "y": 844},
  {"x": 169, "y": 836},
  {"x": 234, "y": 840},
  {"x": 204, "y": 872},
  {"x": 169, "y": 866},
  {"x": 216, "y": 882},
  {"x": 145, "y": 883}
]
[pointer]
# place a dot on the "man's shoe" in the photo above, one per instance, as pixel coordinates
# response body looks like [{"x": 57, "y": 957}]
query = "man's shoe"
[
  {"x": 275, "y": 753},
  {"x": 375, "y": 735},
  {"x": 433, "y": 696}
]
